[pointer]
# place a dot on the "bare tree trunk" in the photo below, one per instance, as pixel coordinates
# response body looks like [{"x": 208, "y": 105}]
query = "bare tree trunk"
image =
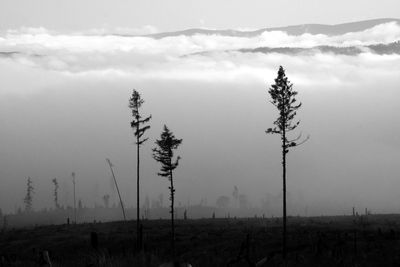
[
  {"x": 139, "y": 241},
  {"x": 116, "y": 186},
  {"x": 284, "y": 191},
  {"x": 73, "y": 176},
  {"x": 172, "y": 219}
]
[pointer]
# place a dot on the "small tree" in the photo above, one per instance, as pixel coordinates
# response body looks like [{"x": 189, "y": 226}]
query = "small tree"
[
  {"x": 55, "y": 182},
  {"x": 283, "y": 98},
  {"x": 73, "y": 183},
  {"x": 164, "y": 153},
  {"x": 29, "y": 195},
  {"x": 139, "y": 125}
]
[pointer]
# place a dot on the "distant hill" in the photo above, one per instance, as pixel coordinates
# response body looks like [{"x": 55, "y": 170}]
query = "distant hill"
[
  {"x": 329, "y": 30},
  {"x": 380, "y": 49}
]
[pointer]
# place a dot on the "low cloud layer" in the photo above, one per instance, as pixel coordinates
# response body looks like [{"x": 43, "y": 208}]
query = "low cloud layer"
[{"x": 198, "y": 57}]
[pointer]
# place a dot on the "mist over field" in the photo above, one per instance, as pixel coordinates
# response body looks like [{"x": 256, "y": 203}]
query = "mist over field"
[{"x": 64, "y": 108}]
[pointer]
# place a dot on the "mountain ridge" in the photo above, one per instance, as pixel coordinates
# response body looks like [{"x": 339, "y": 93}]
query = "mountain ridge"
[
  {"x": 379, "y": 49},
  {"x": 330, "y": 30}
]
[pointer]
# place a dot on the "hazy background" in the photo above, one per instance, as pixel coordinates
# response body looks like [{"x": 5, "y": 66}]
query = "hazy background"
[
  {"x": 153, "y": 15},
  {"x": 65, "y": 85}
]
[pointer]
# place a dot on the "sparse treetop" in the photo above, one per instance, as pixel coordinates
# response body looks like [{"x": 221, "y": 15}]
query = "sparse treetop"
[
  {"x": 284, "y": 99},
  {"x": 135, "y": 103},
  {"x": 164, "y": 152}
]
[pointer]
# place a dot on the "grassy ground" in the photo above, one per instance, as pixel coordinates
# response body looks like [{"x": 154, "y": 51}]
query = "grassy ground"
[{"x": 324, "y": 241}]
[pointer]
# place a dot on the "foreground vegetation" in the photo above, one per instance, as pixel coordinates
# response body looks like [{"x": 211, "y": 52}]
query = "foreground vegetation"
[{"x": 371, "y": 240}]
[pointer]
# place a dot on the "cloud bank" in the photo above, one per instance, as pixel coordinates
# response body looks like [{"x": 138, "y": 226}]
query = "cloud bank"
[{"x": 201, "y": 57}]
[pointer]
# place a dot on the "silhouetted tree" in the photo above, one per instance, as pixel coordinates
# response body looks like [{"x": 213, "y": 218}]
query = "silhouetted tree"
[
  {"x": 164, "y": 153},
  {"x": 116, "y": 186},
  {"x": 73, "y": 182},
  {"x": 283, "y": 98},
  {"x": 55, "y": 182},
  {"x": 139, "y": 125},
  {"x": 29, "y": 195}
]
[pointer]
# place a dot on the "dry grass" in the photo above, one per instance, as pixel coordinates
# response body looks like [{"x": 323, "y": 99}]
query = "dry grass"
[{"x": 327, "y": 241}]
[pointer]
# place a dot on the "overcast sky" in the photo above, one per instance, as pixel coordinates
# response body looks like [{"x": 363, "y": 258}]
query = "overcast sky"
[
  {"x": 181, "y": 14},
  {"x": 64, "y": 101}
]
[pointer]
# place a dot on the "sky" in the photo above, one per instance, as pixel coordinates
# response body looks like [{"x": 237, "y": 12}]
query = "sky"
[
  {"x": 65, "y": 86},
  {"x": 159, "y": 15}
]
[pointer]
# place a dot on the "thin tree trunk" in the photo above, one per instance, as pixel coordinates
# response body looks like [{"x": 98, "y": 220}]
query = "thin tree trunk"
[
  {"x": 74, "y": 200},
  {"x": 139, "y": 241},
  {"x": 116, "y": 186},
  {"x": 172, "y": 219},
  {"x": 284, "y": 190}
]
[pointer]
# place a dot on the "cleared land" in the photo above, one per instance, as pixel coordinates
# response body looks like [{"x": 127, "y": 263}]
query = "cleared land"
[{"x": 371, "y": 240}]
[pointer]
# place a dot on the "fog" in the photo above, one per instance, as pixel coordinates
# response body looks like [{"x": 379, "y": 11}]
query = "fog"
[{"x": 64, "y": 108}]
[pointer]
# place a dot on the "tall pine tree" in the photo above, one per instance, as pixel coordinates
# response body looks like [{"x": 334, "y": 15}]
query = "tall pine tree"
[
  {"x": 164, "y": 153},
  {"x": 284, "y": 99},
  {"x": 139, "y": 127}
]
